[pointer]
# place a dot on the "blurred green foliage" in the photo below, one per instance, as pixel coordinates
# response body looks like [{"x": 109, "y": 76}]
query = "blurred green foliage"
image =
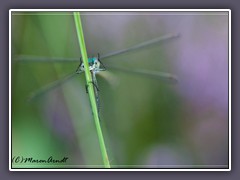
[{"x": 137, "y": 113}]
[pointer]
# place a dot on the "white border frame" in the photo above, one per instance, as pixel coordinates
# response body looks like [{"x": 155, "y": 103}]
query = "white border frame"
[{"x": 123, "y": 10}]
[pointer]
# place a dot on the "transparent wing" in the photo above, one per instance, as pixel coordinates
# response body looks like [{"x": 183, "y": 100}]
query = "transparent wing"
[
  {"x": 166, "y": 77},
  {"x": 141, "y": 45},
  {"x": 51, "y": 86},
  {"x": 26, "y": 58},
  {"x": 110, "y": 77}
]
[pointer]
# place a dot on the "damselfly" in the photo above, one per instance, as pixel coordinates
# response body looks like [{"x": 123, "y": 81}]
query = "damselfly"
[{"x": 96, "y": 66}]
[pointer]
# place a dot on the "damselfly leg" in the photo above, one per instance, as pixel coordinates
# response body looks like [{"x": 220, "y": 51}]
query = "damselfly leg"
[
  {"x": 96, "y": 89},
  {"x": 94, "y": 84},
  {"x": 78, "y": 70},
  {"x": 104, "y": 68}
]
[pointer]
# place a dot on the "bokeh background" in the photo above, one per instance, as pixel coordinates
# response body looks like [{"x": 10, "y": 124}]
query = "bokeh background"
[{"x": 146, "y": 123}]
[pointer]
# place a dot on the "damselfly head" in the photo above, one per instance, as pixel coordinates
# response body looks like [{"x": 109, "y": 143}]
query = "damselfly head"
[{"x": 94, "y": 64}]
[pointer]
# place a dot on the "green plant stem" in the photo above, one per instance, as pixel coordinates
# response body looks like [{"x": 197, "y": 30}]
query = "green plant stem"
[{"x": 90, "y": 88}]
